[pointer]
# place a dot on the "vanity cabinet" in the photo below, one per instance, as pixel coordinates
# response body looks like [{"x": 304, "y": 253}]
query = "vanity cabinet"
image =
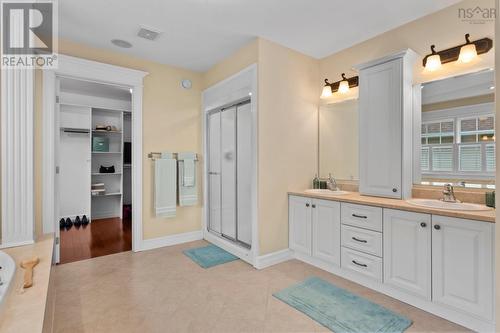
[
  {"x": 300, "y": 228},
  {"x": 385, "y": 126},
  {"x": 314, "y": 226},
  {"x": 462, "y": 265},
  {"x": 407, "y": 251}
]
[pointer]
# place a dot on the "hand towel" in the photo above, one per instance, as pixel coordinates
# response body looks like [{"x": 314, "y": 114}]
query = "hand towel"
[
  {"x": 188, "y": 189},
  {"x": 165, "y": 186}
]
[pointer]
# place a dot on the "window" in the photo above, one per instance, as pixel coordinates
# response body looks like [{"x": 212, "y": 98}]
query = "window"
[{"x": 458, "y": 146}]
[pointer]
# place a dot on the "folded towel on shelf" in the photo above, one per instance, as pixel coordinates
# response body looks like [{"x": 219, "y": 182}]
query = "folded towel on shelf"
[
  {"x": 188, "y": 189},
  {"x": 165, "y": 186}
]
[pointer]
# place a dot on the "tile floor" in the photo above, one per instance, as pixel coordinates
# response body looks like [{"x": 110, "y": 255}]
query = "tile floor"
[{"x": 164, "y": 291}]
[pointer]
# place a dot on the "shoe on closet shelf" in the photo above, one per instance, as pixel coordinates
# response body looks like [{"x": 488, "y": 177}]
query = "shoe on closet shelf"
[{"x": 69, "y": 223}]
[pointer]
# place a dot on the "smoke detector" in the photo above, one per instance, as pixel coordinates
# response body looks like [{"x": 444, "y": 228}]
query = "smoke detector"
[{"x": 148, "y": 33}]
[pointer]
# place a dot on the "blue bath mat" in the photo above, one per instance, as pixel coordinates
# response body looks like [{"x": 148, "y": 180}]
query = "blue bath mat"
[
  {"x": 209, "y": 256},
  {"x": 340, "y": 310}
]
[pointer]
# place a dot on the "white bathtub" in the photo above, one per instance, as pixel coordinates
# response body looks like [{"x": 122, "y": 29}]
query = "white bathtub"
[{"x": 8, "y": 268}]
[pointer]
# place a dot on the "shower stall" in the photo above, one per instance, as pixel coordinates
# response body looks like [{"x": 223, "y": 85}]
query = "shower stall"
[{"x": 229, "y": 167}]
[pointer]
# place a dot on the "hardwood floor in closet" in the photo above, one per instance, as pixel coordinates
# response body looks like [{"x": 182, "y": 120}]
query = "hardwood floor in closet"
[{"x": 99, "y": 238}]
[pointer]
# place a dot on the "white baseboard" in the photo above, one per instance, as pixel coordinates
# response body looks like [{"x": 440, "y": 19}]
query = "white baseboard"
[
  {"x": 154, "y": 243},
  {"x": 273, "y": 258},
  {"x": 16, "y": 244}
]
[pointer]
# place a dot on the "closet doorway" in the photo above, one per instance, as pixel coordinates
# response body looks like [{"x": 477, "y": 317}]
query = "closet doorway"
[
  {"x": 229, "y": 143},
  {"x": 93, "y": 195}
]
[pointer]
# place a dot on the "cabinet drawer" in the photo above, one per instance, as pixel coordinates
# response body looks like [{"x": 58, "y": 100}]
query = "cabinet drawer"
[
  {"x": 367, "y": 241},
  {"x": 363, "y": 263},
  {"x": 367, "y": 217}
]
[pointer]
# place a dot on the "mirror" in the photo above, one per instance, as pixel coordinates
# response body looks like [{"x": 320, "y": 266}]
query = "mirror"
[
  {"x": 454, "y": 137},
  {"x": 338, "y": 140}
]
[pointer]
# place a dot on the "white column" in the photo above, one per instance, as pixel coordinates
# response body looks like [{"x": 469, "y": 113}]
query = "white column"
[{"x": 17, "y": 157}]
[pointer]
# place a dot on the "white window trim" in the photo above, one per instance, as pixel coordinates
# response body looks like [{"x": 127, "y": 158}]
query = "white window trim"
[{"x": 458, "y": 113}]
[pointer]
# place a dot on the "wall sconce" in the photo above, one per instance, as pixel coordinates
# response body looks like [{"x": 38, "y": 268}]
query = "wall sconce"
[
  {"x": 463, "y": 53},
  {"x": 341, "y": 86}
]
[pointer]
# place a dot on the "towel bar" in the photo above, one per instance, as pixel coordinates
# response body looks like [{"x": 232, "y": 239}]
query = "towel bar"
[{"x": 155, "y": 155}]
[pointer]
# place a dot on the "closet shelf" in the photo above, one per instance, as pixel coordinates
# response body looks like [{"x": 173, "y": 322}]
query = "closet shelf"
[
  {"x": 105, "y": 174},
  {"x": 106, "y": 195},
  {"x": 106, "y": 132},
  {"x": 106, "y": 152}
]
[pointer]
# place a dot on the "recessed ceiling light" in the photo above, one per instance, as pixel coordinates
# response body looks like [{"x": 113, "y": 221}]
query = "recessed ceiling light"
[
  {"x": 121, "y": 43},
  {"x": 492, "y": 87}
]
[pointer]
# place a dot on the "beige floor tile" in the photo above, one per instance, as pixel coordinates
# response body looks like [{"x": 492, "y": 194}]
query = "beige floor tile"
[{"x": 164, "y": 291}]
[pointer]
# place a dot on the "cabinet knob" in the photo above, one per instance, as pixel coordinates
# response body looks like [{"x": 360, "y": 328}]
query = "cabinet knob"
[
  {"x": 423, "y": 224},
  {"x": 307, "y": 205},
  {"x": 437, "y": 227},
  {"x": 313, "y": 206},
  {"x": 394, "y": 190}
]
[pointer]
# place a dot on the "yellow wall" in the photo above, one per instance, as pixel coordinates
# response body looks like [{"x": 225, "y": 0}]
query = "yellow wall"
[
  {"x": 287, "y": 136},
  {"x": 171, "y": 122},
  {"x": 243, "y": 57}
]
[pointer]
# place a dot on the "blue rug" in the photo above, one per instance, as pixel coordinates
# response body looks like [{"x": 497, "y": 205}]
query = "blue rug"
[
  {"x": 209, "y": 256},
  {"x": 339, "y": 310}
]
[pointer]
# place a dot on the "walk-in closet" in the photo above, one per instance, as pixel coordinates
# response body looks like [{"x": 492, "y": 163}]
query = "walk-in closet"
[{"x": 93, "y": 158}]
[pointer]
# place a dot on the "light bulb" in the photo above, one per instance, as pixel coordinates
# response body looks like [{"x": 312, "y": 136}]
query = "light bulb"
[
  {"x": 327, "y": 91},
  {"x": 433, "y": 62},
  {"x": 467, "y": 53},
  {"x": 343, "y": 87}
]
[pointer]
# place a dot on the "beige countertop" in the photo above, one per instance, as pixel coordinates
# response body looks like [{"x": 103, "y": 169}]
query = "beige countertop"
[
  {"x": 24, "y": 311},
  {"x": 356, "y": 198}
]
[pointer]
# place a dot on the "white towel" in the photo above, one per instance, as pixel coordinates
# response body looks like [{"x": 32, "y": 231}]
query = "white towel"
[
  {"x": 188, "y": 189},
  {"x": 165, "y": 186}
]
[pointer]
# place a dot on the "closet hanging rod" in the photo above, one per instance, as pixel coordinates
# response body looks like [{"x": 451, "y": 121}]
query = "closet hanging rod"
[
  {"x": 75, "y": 130},
  {"x": 156, "y": 155}
]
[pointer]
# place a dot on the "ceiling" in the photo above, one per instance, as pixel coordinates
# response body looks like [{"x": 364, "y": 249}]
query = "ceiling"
[{"x": 199, "y": 33}]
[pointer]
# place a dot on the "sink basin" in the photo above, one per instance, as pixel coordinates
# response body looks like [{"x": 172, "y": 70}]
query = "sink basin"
[
  {"x": 432, "y": 203},
  {"x": 326, "y": 192}
]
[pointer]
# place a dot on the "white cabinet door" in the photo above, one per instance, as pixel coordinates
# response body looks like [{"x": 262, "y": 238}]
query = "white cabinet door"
[
  {"x": 462, "y": 265},
  {"x": 299, "y": 217},
  {"x": 407, "y": 251},
  {"x": 326, "y": 231},
  {"x": 380, "y": 129}
]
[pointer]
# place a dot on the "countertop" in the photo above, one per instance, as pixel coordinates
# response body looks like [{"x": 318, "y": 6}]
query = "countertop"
[
  {"x": 24, "y": 311},
  {"x": 356, "y": 198}
]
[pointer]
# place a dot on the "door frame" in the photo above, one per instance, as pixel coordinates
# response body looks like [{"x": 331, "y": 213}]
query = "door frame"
[
  {"x": 235, "y": 88},
  {"x": 83, "y": 69}
]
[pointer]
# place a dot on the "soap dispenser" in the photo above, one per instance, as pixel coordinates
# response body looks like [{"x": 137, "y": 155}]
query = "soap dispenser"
[{"x": 316, "y": 182}]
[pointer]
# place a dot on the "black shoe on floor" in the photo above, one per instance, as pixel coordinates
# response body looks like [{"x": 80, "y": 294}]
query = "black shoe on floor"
[
  {"x": 62, "y": 223},
  {"x": 77, "y": 222},
  {"x": 69, "y": 223},
  {"x": 85, "y": 221}
]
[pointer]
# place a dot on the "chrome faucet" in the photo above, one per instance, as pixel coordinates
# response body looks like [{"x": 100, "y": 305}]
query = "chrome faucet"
[
  {"x": 331, "y": 183},
  {"x": 449, "y": 194}
]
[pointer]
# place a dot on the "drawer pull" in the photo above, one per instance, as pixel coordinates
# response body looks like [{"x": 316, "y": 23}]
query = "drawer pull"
[
  {"x": 359, "y": 240},
  {"x": 357, "y": 263},
  {"x": 307, "y": 205},
  {"x": 359, "y": 216}
]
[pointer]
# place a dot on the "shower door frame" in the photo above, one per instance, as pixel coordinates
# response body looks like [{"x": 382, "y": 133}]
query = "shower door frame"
[
  {"x": 236, "y": 105},
  {"x": 236, "y": 88}
]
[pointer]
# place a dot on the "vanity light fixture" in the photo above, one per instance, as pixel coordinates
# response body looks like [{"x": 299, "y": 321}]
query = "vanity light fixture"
[
  {"x": 463, "y": 53},
  {"x": 432, "y": 61},
  {"x": 341, "y": 86}
]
